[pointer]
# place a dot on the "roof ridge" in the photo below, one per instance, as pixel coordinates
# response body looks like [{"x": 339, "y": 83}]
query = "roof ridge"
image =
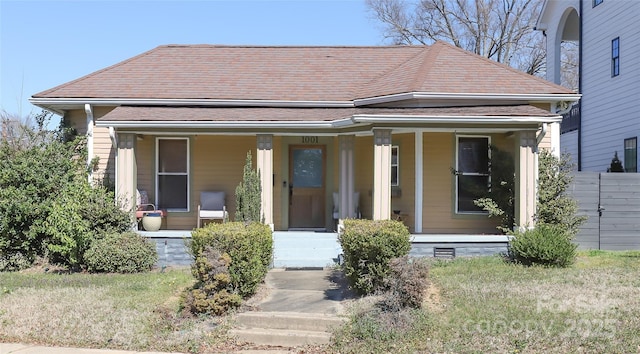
[
  {"x": 503, "y": 65},
  {"x": 92, "y": 74},
  {"x": 428, "y": 59},
  {"x": 392, "y": 69}
]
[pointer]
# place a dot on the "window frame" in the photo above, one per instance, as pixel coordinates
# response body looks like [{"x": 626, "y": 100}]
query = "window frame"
[
  {"x": 187, "y": 173},
  {"x": 459, "y": 173},
  {"x": 615, "y": 57},
  {"x": 627, "y": 156},
  {"x": 397, "y": 165},
  {"x": 596, "y": 3}
]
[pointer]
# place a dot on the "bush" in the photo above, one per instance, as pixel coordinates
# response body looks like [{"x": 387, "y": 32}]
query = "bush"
[
  {"x": 250, "y": 247},
  {"x": 47, "y": 206},
  {"x": 212, "y": 292},
  {"x": 368, "y": 246},
  {"x": 406, "y": 284},
  {"x": 548, "y": 245},
  {"x": 121, "y": 253}
]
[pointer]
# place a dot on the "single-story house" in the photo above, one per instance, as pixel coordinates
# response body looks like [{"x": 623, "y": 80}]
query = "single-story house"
[{"x": 376, "y": 132}]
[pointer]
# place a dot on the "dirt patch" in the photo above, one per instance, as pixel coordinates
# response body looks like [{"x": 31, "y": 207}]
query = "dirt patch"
[{"x": 432, "y": 299}]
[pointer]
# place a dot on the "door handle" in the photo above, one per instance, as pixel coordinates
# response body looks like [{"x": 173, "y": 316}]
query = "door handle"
[{"x": 290, "y": 194}]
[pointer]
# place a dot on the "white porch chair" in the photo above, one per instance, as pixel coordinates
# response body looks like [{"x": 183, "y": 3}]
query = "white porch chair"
[
  {"x": 356, "y": 206},
  {"x": 212, "y": 207}
]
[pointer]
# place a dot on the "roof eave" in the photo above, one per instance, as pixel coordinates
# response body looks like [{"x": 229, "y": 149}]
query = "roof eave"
[
  {"x": 534, "y": 98},
  {"x": 52, "y": 103}
]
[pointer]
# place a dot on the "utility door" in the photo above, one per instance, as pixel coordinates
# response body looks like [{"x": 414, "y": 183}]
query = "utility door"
[{"x": 307, "y": 186}]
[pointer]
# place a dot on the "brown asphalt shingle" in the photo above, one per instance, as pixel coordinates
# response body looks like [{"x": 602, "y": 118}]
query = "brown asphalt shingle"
[
  {"x": 299, "y": 74},
  {"x": 254, "y": 114}
]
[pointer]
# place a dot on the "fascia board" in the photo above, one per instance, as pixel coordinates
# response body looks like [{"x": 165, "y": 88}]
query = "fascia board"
[
  {"x": 571, "y": 97},
  {"x": 370, "y": 119}
]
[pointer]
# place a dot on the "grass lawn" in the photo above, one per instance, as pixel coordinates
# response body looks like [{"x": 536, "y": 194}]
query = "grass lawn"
[
  {"x": 134, "y": 311},
  {"x": 483, "y": 305},
  {"x": 476, "y": 305}
]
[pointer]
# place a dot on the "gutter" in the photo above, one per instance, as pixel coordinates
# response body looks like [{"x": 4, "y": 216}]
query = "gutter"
[
  {"x": 543, "y": 98},
  {"x": 41, "y": 102},
  {"x": 356, "y": 120}
]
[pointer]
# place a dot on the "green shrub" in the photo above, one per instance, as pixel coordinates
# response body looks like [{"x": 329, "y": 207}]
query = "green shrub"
[
  {"x": 368, "y": 246},
  {"x": 47, "y": 206},
  {"x": 250, "y": 247},
  {"x": 249, "y": 194},
  {"x": 121, "y": 253},
  {"x": 212, "y": 293},
  {"x": 406, "y": 284},
  {"x": 546, "y": 244}
]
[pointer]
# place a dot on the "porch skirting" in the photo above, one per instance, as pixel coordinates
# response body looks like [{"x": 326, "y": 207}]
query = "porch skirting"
[{"x": 303, "y": 249}]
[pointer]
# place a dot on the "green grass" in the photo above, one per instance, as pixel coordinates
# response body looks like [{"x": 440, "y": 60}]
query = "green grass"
[
  {"x": 481, "y": 305},
  {"x": 132, "y": 311}
]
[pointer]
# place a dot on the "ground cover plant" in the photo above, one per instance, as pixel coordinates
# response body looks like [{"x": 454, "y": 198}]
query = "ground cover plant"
[{"x": 487, "y": 305}]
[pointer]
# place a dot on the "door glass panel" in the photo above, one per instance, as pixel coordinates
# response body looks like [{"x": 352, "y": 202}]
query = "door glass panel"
[{"x": 307, "y": 168}]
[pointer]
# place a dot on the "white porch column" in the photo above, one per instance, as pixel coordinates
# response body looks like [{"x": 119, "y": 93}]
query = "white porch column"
[
  {"x": 126, "y": 170},
  {"x": 555, "y": 139},
  {"x": 264, "y": 162},
  {"x": 526, "y": 177},
  {"x": 381, "y": 174},
  {"x": 347, "y": 177},
  {"x": 417, "y": 227},
  {"x": 89, "y": 111}
]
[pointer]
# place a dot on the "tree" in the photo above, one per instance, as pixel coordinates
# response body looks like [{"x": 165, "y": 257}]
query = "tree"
[
  {"x": 555, "y": 206},
  {"x": 501, "y": 30},
  {"x": 248, "y": 194}
]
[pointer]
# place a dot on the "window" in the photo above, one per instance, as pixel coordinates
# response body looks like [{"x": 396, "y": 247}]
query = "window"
[
  {"x": 631, "y": 155},
  {"x": 172, "y": 173},
  {"x": 395, "y": 164},
  {"x": 597, "y": 2},
  {"x": 615, "y": 57},
  {"x": 472, "y": 173}
]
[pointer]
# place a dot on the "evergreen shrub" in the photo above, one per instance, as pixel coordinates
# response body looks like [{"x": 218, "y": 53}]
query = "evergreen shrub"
[{"x": 368, "y": 246}]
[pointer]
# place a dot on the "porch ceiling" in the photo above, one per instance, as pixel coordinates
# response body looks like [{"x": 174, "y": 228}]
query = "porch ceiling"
[{"x": 263, "y": 117}]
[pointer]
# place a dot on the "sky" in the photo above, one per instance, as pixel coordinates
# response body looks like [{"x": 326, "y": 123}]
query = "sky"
[{"x": 47, "y": 43}]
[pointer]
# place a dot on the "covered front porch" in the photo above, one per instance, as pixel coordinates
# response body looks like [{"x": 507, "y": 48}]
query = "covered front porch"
[{"x": 310, "y": 182}]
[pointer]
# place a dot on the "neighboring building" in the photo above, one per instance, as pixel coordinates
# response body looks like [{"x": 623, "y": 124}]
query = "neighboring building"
[
  {"x": 607, "y": 119},
  {"x": 404, "y": 128}
]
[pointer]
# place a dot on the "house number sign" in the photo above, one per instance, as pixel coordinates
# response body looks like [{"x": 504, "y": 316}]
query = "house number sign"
[{"x": 309, "y": 139}]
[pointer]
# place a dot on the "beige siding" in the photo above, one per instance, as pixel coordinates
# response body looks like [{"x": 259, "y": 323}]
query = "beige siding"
[
  {"x": 439, "y": 191},
  {"x": 405, "y": 201},
  {"x": 363, "y": 152}
]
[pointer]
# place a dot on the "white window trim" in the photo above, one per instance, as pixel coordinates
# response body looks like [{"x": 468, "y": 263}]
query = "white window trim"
[
  {"x": 469, "y": 174},
  {"x": 397, "y": 165},
  {"x": 188, "y": 173}
]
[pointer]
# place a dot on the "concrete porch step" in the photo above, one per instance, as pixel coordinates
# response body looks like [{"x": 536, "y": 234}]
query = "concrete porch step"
[
  {"x": 289, "y": 320},
  {"x": 280, "y": 337},
  {"x": 287, "y": 329}
]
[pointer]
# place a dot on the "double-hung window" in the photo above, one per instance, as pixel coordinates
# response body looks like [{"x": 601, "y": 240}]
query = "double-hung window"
[
  {"x": 631, "y": 155},
  {"x": 172, "y": 173},
  {"x": 615, "y": 57},
  {"x": 472, "y": 172},
  {"x": 395, "y": 164}
]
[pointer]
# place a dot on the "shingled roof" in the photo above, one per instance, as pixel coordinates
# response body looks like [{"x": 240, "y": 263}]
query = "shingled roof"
[{"x": 300, "y": 74}]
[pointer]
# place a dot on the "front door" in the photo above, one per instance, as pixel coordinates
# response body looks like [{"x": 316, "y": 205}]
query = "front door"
[{"x": 306, "y": 186}]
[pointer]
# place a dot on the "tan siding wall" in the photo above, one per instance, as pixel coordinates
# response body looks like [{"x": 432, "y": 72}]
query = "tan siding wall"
[
  {"x": 277, "y": 187},
  {"x": 102, "y": 147},
  {"x": 405, "y": 202},
  {"x": 439, "y": 190},
  {"x": 546, "y": 141},
  {"x": 217, "y": 163}
]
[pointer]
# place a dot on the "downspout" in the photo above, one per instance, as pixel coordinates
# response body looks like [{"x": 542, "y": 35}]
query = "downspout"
[
  {"x": 89, "y": 111},
  {"x": 580, "y": 88},
  {"x": 540, "y": 136},
  {"x": 114, "y": 143}
]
